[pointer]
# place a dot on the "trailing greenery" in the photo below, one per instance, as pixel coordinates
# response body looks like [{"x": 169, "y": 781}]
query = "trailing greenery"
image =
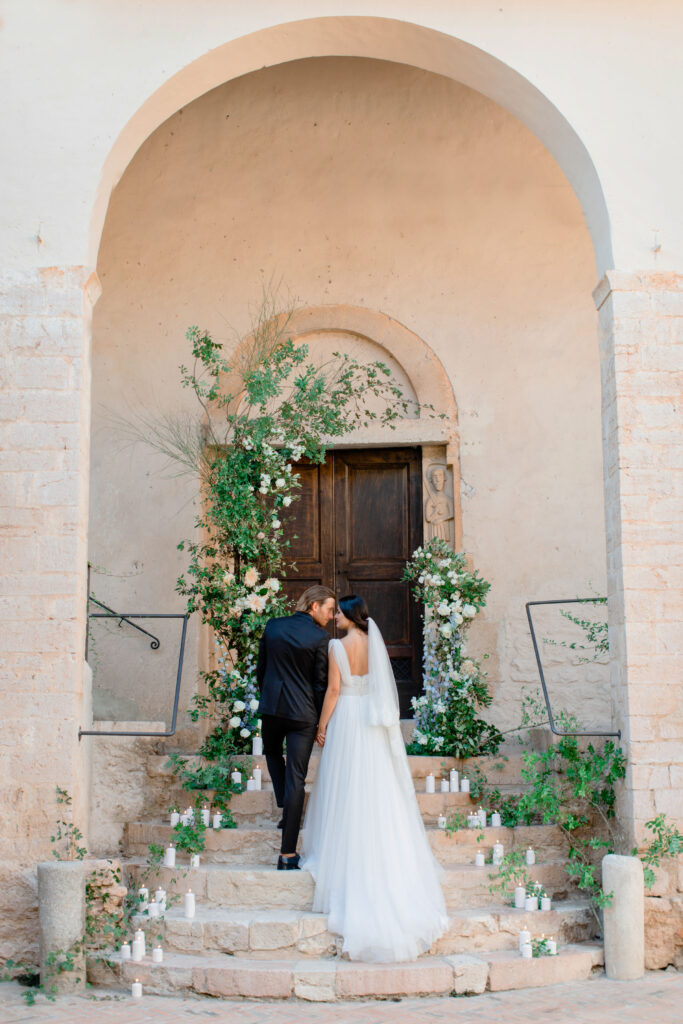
[
  {"x": 447, "y": 719},
  {"x": 596, "y": 639},
  {"x": 67, "y": 839},
  {"x": 667, "y": 842},
  {"x": 512, "y": 872}
]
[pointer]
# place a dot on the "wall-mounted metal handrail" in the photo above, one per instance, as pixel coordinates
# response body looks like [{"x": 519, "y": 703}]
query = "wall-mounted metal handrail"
[
  {"x": 176, "y": 698},
  {"x": 156, "y": 642},
  {"x": 551, "y": 720}
]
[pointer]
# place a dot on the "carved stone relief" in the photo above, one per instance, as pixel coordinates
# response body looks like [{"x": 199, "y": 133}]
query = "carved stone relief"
[{"x": 439, "y": 505}]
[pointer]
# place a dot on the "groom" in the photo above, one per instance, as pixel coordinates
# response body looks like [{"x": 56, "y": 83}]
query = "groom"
[{"x": 292, "y": 677}]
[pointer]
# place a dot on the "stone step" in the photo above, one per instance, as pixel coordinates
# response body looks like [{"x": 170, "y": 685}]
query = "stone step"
[
  {"x": 263, "y": 934},
  {"x": 337, "y": 979},
  {"x": 504, "y": 770},
  {"x": 260, "y": 843},
  {"x": 226, "y": 885}
]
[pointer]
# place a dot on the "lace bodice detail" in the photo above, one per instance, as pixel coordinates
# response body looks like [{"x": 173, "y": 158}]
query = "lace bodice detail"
[{"x": 350, "y": 685}]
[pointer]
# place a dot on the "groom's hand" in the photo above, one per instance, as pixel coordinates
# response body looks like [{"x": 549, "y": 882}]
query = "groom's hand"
[{"x": 320, "y": 738}]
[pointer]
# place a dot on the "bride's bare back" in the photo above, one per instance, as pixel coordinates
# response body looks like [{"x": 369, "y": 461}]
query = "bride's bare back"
[{"x": 356, "y": 647}]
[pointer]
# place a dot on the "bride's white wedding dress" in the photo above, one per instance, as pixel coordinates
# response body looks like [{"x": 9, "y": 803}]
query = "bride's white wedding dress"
[{"x": 363, "y": 838}]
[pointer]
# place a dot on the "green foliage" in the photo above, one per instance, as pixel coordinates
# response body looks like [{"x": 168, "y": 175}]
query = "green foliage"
[
  {"x": 540, "y": 947},
  {"x": 447, "y": 719},
  {"x": 512, "y": 872},
  {"x": 68, "y": 837},
  {"x": 667, "y": 842},
  {"x": 596, "y": 639}
]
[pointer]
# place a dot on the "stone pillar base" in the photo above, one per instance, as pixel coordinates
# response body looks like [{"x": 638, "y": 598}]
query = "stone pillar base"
[{"x": 61, "y": 906}]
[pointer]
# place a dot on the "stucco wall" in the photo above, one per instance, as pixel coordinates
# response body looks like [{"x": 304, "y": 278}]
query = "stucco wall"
[{"x": 381, "y": 186}]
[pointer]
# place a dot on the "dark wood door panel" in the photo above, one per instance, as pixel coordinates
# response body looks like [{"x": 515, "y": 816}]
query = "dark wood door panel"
[{"x": 357, "y": 522}]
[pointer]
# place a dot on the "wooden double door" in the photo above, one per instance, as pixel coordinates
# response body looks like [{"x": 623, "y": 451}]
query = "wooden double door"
[{"x": 356, "y": 523}]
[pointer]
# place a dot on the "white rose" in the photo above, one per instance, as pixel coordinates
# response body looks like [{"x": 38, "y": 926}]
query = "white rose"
[
  {"x": 273, "y": 584},
  {"x": 256, "y": 602},
  {"x": 444, "y": 608},
  {"x": 469, "y": 611},
  {"x": 265, "y": 479},
  {"x": 261, "y": 535},
  {"x": 468, "y": 667},
  {"x": 276, "y": 524},
  {"x": 423, "y": 741},
  {"x": 244, "y": 733},
  {"x": 287, "y": 501},
  {"x": 280, "y": 482},
  {"x": 253, "y": 704},
  {"x": 251, "y": 577},
  {"x": 263, "y": 490},
  {"x": 239, "y": 705},
  {"x": 235, "y": 610},
  {"x": 445, "y": 630},
  {"x": 234, "y": 722}
]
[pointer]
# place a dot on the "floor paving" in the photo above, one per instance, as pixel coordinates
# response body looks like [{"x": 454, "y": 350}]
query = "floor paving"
[{"x": 656, "y": 999}]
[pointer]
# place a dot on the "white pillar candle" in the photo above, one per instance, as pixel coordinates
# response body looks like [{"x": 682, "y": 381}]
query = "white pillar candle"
[
  {"x": 472, "y": 820},
  {"x": 546, "y": 903},
  {"x": 154, "y": 910},
  {"x": 185, "y": 819},
  {"x": 526, "y": 951},
  {"x": 169, "y": 857},
  {"x": 465, "y": 786},
  {"x": 189, "y": 903},
  {"x": 520, "y": 897},
  {"x": 498, "y": 850},
  {"x": 257, "y": 746},
  {"x": 530, "y": 856},
  {"x": 479, "y": 859},
  {"x": 495, "y": 820},
  {"x": 175, "y": 818},
  {"x": 160, "y": 897},
  {"x": 441, "y": 821},
  {"x": 194, "y": 860},
  {"x": 217, "y": 819},
  {"x": 429, "y": 783},
  {"x": 140, "y": 937},
  {"x": 157, "y": 955},
  {"x": 496, "y": 860},
  {"x": 251, "y": 785},
  {"x": 552, "y": 947},
  {"x": 136, "y": 990},
  {"x": 445, "y": 786},
  {"x": 258, "y": 778},
  {"x": 137, "y": 951},
  {"x": 125, "y": 951},
  {"x": 206, "y": 816},
  {"x": 482, "y": 817},
  {"x": 531, "y": 903},
  {"x": 143, "y": 898},
  {"x": 524, "y": 936},
  {"x": 236, "y": 777},
  {"x": 453, "y": 780}
]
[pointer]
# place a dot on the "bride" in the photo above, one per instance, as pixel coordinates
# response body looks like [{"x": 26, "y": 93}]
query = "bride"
[{"x": 363, "y": 838}]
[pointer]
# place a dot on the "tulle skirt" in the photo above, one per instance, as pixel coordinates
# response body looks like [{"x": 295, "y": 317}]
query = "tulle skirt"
[{"x": 364, "y": 842}]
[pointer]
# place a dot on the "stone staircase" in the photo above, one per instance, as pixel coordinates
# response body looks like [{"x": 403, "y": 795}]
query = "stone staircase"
[{"x": 254, "y": 933}]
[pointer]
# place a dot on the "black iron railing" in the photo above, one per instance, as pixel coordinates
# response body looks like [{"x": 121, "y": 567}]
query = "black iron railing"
[
  {"x": 128, "y": 617},
  {"x": 551, "y": 720}
]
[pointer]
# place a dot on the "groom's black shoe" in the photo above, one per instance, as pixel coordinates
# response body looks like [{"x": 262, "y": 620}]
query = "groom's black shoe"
[
  {"x": 288, "y": 863},
  {"x": 281, "y": 823}
]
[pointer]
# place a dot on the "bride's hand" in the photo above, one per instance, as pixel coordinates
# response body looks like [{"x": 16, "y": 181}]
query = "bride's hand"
[{"x": 320, "y": 738}]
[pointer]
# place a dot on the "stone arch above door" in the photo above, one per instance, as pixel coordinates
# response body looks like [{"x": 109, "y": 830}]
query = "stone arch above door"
[{"x": 421, "y": 374}]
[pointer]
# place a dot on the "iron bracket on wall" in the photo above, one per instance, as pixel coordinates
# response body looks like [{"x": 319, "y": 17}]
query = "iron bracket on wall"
[
  {"x": 551, "y": 720},
  {"x": 127, "y": 618}
]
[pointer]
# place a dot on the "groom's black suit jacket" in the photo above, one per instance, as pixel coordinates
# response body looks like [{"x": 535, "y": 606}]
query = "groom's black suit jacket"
[{"x": 292, "y": 668}]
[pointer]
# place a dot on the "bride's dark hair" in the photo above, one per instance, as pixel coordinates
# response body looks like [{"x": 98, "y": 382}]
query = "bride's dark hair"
[{"x": 356, "y": 610}]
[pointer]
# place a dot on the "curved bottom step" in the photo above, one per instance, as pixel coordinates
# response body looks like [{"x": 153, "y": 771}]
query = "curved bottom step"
[{"x": 330, "y": 980}]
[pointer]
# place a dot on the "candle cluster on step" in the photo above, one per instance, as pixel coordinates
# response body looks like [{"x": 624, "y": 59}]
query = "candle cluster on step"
[
  {"x": 544, "y": 947},
  {"x": 447, "y": 784}
]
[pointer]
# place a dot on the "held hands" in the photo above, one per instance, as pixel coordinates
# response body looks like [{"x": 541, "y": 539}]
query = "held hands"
[{"x": 320, "y": 737}]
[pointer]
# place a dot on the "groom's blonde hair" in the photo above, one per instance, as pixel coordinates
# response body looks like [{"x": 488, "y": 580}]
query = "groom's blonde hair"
[{"x": 313, "y": 595}]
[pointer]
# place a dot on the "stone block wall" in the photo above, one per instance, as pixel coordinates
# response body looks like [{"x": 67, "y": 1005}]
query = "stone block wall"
[{"x": 44, "y": 464}]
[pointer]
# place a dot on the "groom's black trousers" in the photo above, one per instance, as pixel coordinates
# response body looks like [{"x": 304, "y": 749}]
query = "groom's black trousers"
[{"x": 288, "y": 779}]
